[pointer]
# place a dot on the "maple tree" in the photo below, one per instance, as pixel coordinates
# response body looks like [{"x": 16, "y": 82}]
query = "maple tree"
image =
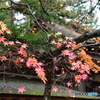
[{"x": 77, "y": 63}]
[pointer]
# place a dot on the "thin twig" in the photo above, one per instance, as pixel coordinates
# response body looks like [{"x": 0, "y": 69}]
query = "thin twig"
[
  {"x": 87, "y": 45},
  {"x": 93, "y": 8},
  {"x": 43, "y": 7}
]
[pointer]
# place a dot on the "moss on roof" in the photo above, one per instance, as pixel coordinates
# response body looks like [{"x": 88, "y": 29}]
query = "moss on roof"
[{"x": 34, "y": 87}]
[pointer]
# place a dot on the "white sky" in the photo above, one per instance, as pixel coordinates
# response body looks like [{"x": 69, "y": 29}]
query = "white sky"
[
  {"x": 98, "y": 15},
  {"x": 16, "y": 0}
]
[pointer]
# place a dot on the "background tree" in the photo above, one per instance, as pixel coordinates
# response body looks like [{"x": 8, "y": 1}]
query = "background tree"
[{"x": 44, "y": 17}]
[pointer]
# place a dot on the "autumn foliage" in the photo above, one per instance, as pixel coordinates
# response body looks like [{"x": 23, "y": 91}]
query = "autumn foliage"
[
  {"x": 18, "y": 54},
  {"x": 78, "y": 63},
  {"x": 88, "y": 61}
]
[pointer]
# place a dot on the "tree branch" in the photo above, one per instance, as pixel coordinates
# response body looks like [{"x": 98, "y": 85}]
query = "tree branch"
[
  {"x": 8, "y": 8},
  {"x": 27, "y": 5},
  {"x": 93, "y": 8},
  {"x": 43, "y": 7},
  {"x": 61, "y": 29},
  {"x": 87, "y": 45},
  {"x": 15, "y": 3},
  {"x": 80, "y": 39},
  {"x": 87, "y": 36},
  {"x": 77, "y": 36}
]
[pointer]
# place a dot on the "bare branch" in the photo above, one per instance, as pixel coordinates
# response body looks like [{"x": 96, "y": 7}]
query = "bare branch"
[
  {"x": 87, "y": 45},
  {"x": 22, "y": 4},
  {"x": 87, "y": 36},
  {"x": 93, "y": 8},
  {"x": 62, "y": 29}
]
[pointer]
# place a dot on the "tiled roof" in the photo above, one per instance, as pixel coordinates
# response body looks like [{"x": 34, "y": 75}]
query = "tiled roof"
[{"x": 34, "y": 87}]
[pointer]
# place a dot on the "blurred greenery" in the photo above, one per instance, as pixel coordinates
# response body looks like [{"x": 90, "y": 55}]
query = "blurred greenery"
[{"x": 52, "y": 11}]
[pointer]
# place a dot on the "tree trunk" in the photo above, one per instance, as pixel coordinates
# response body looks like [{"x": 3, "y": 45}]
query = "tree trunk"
[
  {"x": 48, "y": 85},
  {"x": 47, "y": 91}
]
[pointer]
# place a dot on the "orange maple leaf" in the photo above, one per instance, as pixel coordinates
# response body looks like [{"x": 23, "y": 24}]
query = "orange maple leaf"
[
  {"x": 3, "y": 58},
  {"x": 41, "y": 74}
]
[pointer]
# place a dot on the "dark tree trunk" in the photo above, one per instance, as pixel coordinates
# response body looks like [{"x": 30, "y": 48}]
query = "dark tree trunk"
[
  {"x": 48, "y": 85},
  {"x": 47, "y": 91}
]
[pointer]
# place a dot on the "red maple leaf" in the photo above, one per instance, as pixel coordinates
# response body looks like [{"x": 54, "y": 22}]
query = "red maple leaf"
[
  {"x": 31, "y": 62},
  {"x": 72, "y": 56},
  {"x": 22, "y": 52},
  {"x": 21, "y": 89},
  {"x": 81, "y": 71},
  {"x": 84, "y": 76},
  {"x": 68, "y": 45},
  {"x": 55, "y": 89},
  {"x": 58, "y": 45},
  {"x": 69, "y": 84},
  {"x": 24, "y": 45},
  {"x": 11, "y": 42},
  {"x": 18, "y": 60},
  {"x": 66, "y": 52},
  {"x": 2, "y": 38}
]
